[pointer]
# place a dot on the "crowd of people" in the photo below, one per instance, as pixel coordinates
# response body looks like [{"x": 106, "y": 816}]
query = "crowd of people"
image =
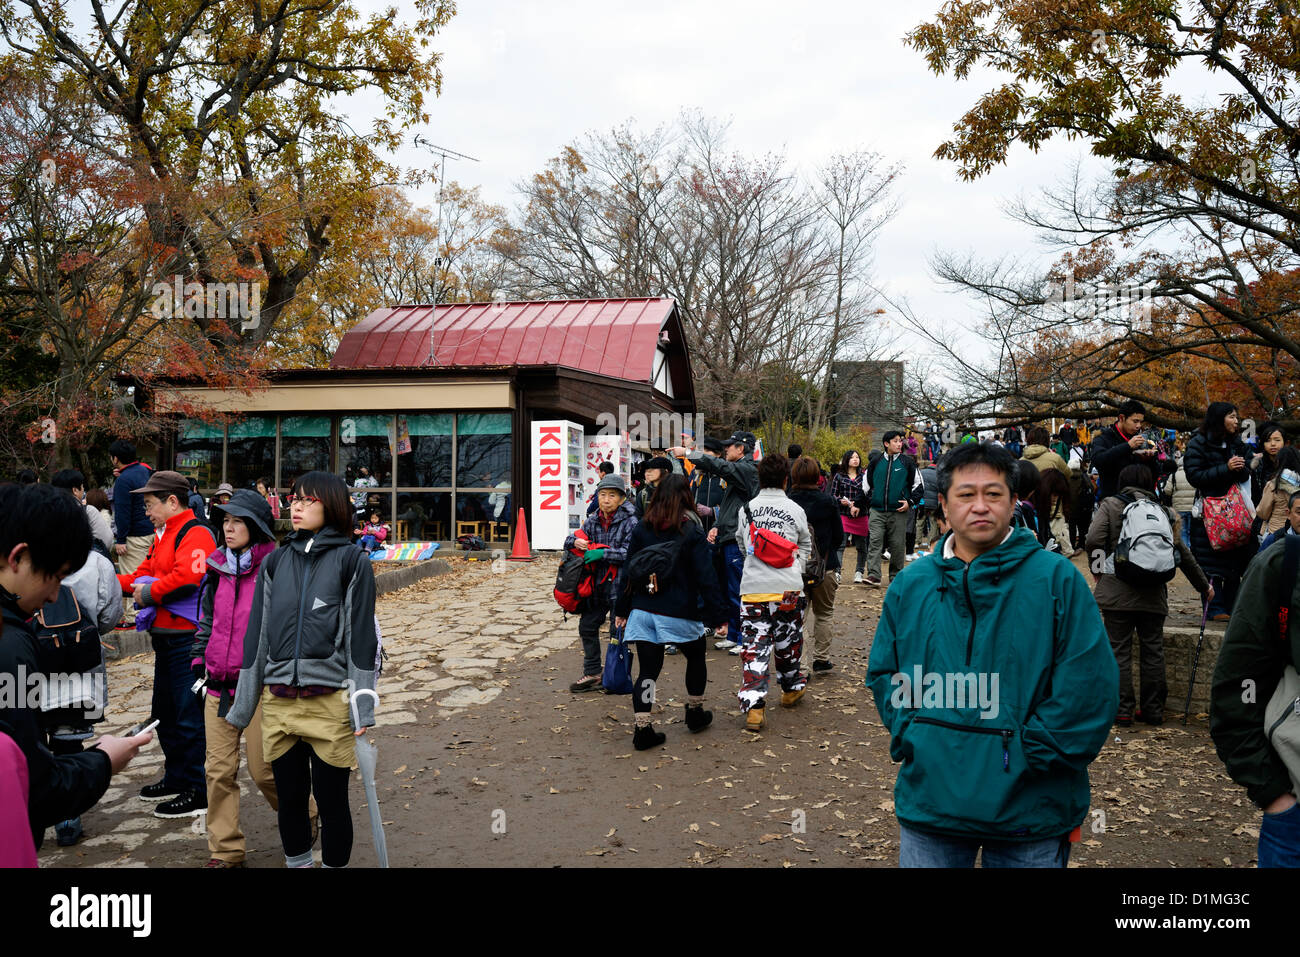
[
  {"x": 254, "y": 640},
  {"x": 969, "y": 532},
  {"x": 991, "y": 643}
]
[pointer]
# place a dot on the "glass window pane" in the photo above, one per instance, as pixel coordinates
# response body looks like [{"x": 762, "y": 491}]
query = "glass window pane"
[
  {"x": 483, "y": 450},
  {"x": 364, "y": 443},
  {"x": 494, "y": 511},
  {"x": 198, "y": 452},
  {"x": 251, "y": 452},
  {"x": 428, "y": 463},
  {"x": 304, "y": 446},
  {"x": 426, "y": 516}
]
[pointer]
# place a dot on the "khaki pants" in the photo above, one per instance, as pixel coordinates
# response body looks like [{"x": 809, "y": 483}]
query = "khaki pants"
[
  {"x": 225, "y": 837},
  {"x": 137, "y": 550},
  {"x": 820, "y": 615}
]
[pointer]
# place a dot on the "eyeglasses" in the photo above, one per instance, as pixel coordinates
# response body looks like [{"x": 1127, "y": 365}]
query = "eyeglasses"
[{"x": 304, "y": 500}]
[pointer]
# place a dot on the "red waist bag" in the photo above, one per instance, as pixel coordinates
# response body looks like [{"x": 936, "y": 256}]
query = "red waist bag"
[{"x": 769, "y": 547}]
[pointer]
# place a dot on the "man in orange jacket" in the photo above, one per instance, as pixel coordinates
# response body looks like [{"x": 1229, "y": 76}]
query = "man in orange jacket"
[{"x": 168, "y": 582}]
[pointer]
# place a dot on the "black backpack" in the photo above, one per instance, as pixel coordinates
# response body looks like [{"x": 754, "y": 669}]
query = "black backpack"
[
  {"x": 67, "y": 640},
  {"x": 650, "y": 569}
]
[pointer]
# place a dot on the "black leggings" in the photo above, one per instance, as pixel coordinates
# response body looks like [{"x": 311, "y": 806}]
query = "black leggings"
[
  {"x": 651, "y": 656},
  {"x": 298, "y": 774}
]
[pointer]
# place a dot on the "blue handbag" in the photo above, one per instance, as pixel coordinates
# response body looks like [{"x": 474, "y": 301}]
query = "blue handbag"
[{"x": 617, "y": 677}]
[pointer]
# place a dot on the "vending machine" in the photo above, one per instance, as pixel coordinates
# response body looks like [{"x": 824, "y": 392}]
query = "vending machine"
[
  {"x": 557, "y": 465},
  {"x": 614, "y": 449}
]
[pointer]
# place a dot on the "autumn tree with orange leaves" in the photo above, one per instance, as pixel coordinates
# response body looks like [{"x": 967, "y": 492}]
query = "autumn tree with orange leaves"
[{"x": 1179, "y": 286}]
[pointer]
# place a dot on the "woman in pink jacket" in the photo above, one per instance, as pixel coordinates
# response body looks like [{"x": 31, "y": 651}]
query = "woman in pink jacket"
[{"x": 244, "y": 539}]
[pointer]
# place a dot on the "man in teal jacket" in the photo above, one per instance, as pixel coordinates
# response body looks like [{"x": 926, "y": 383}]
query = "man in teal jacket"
[{"x": 993, "y": 673}]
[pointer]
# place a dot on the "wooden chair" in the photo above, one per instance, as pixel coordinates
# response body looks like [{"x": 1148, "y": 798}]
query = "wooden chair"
[
  {"x": 470, "y": 528},
  {"x": 401, "y": 530},
  {"x": 434, "y": 531},
  {"x": 499, "y": 531}
]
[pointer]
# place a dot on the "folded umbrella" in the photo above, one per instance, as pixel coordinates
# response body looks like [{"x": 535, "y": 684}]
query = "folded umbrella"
[{"x": 367, "y": 759}]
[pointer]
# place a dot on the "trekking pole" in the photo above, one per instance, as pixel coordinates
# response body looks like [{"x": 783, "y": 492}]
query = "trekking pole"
[{"x": 1205, "y": 615}]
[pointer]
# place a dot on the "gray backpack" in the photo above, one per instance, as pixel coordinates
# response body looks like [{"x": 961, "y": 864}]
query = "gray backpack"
[{"x": 1145, "y": 554}]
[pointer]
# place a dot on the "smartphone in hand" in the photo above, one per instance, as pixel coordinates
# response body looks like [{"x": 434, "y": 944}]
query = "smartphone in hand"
[{"x": 144, "y": 727}]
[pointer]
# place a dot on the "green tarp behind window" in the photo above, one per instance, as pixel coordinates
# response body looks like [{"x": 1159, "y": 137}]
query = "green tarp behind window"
[{"x": 489, "y": 423}]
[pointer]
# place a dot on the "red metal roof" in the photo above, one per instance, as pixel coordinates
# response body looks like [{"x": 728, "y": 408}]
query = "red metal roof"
[{"x": 613, "y": 337}]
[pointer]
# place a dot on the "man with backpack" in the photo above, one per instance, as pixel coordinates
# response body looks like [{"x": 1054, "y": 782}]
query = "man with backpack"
[
  {"x": 1254, "y": 710},
  {"x": 1134, "y": 549},
  {"x": 166, "y": 585}
]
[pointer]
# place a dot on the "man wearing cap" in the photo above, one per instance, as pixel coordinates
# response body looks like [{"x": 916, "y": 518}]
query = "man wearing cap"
[
  {"x": 167, "y": 583},
  {"x": 737, "y": 467},
  {"x": 134, "y": 531},
  {"x": 709, "y": 489},
  {"x": 603, "y": 539}
]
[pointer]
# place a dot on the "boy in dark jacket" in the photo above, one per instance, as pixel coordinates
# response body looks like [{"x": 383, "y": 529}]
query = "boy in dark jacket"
[
  {"x": 44, "y": 536},
  {"x": 172, "y": 572}
]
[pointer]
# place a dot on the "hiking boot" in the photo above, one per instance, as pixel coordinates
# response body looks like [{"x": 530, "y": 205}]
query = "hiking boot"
[
  {"x": 158, "y": 791},
  {"x": 1153, "y": 720},
  {"x": 1124, "y": 722},
  {"x": 216, "y": 862},
  {"x": 791, "y": 698},
  {"x": 646, "y": 737},
  {"x": 755, "y": 718},
  {"x": 587, "y": 683},
  {"x": 68, "y": 832},
  {"x": 820, "y": 665},
  {"x": 697, "y": 719},
  {"x": 187, "y": 804}
]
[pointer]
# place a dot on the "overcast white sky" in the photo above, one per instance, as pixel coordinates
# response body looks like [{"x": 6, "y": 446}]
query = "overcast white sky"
[{"x": 524, "y": 78}]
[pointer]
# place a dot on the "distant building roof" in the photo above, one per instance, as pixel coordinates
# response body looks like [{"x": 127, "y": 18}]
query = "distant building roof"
[{"x": 613, "y": 337}]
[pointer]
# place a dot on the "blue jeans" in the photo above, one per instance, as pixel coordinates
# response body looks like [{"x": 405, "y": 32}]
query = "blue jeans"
[
  {"x": 179, "y": 713},
  {"x": 919, "y": 849},
  {"x": 1186, "y": 518},
  {"x": 1279, "y": 839},
  {"x": 368, "y": 543},
  {"x": 734, "y": 559}
]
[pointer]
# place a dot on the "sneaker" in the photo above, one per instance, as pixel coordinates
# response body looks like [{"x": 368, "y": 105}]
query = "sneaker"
[
  {"x": 857, "y": 579},
  {"x": 791, "y": 698},
  {"x": 873, "y": 580},
  {"x": 837, "y": 578},
  {"x": 215, "y": 862},
  {"x": 158, "y": 792},
  {"x": 913, "y": 557},
  {"x": 587, "y": 683},
  {"x": 735, "y": 650},
  {"x": 755, "y": 718},
  {"x": 886, "y": 555},
  {"x": 69, "y": 832},
  {"x": 670, "y": 649},
  {"x": 724, "y": 644},
  {"x": 188, "y": 804},
  {"x": 822, "y": 666},
  {"x": 1124, "y": 722}
]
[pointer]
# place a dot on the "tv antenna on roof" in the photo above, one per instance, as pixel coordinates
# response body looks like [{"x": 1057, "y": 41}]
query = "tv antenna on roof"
[{"x": 442, "y": 262}]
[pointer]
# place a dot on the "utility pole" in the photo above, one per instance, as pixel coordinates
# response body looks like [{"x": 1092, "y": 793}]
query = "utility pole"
[{"x": 442, "y": 261}]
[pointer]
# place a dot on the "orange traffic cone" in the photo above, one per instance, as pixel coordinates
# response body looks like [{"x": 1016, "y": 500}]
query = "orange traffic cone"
[{"x": 521, "y": 552}]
